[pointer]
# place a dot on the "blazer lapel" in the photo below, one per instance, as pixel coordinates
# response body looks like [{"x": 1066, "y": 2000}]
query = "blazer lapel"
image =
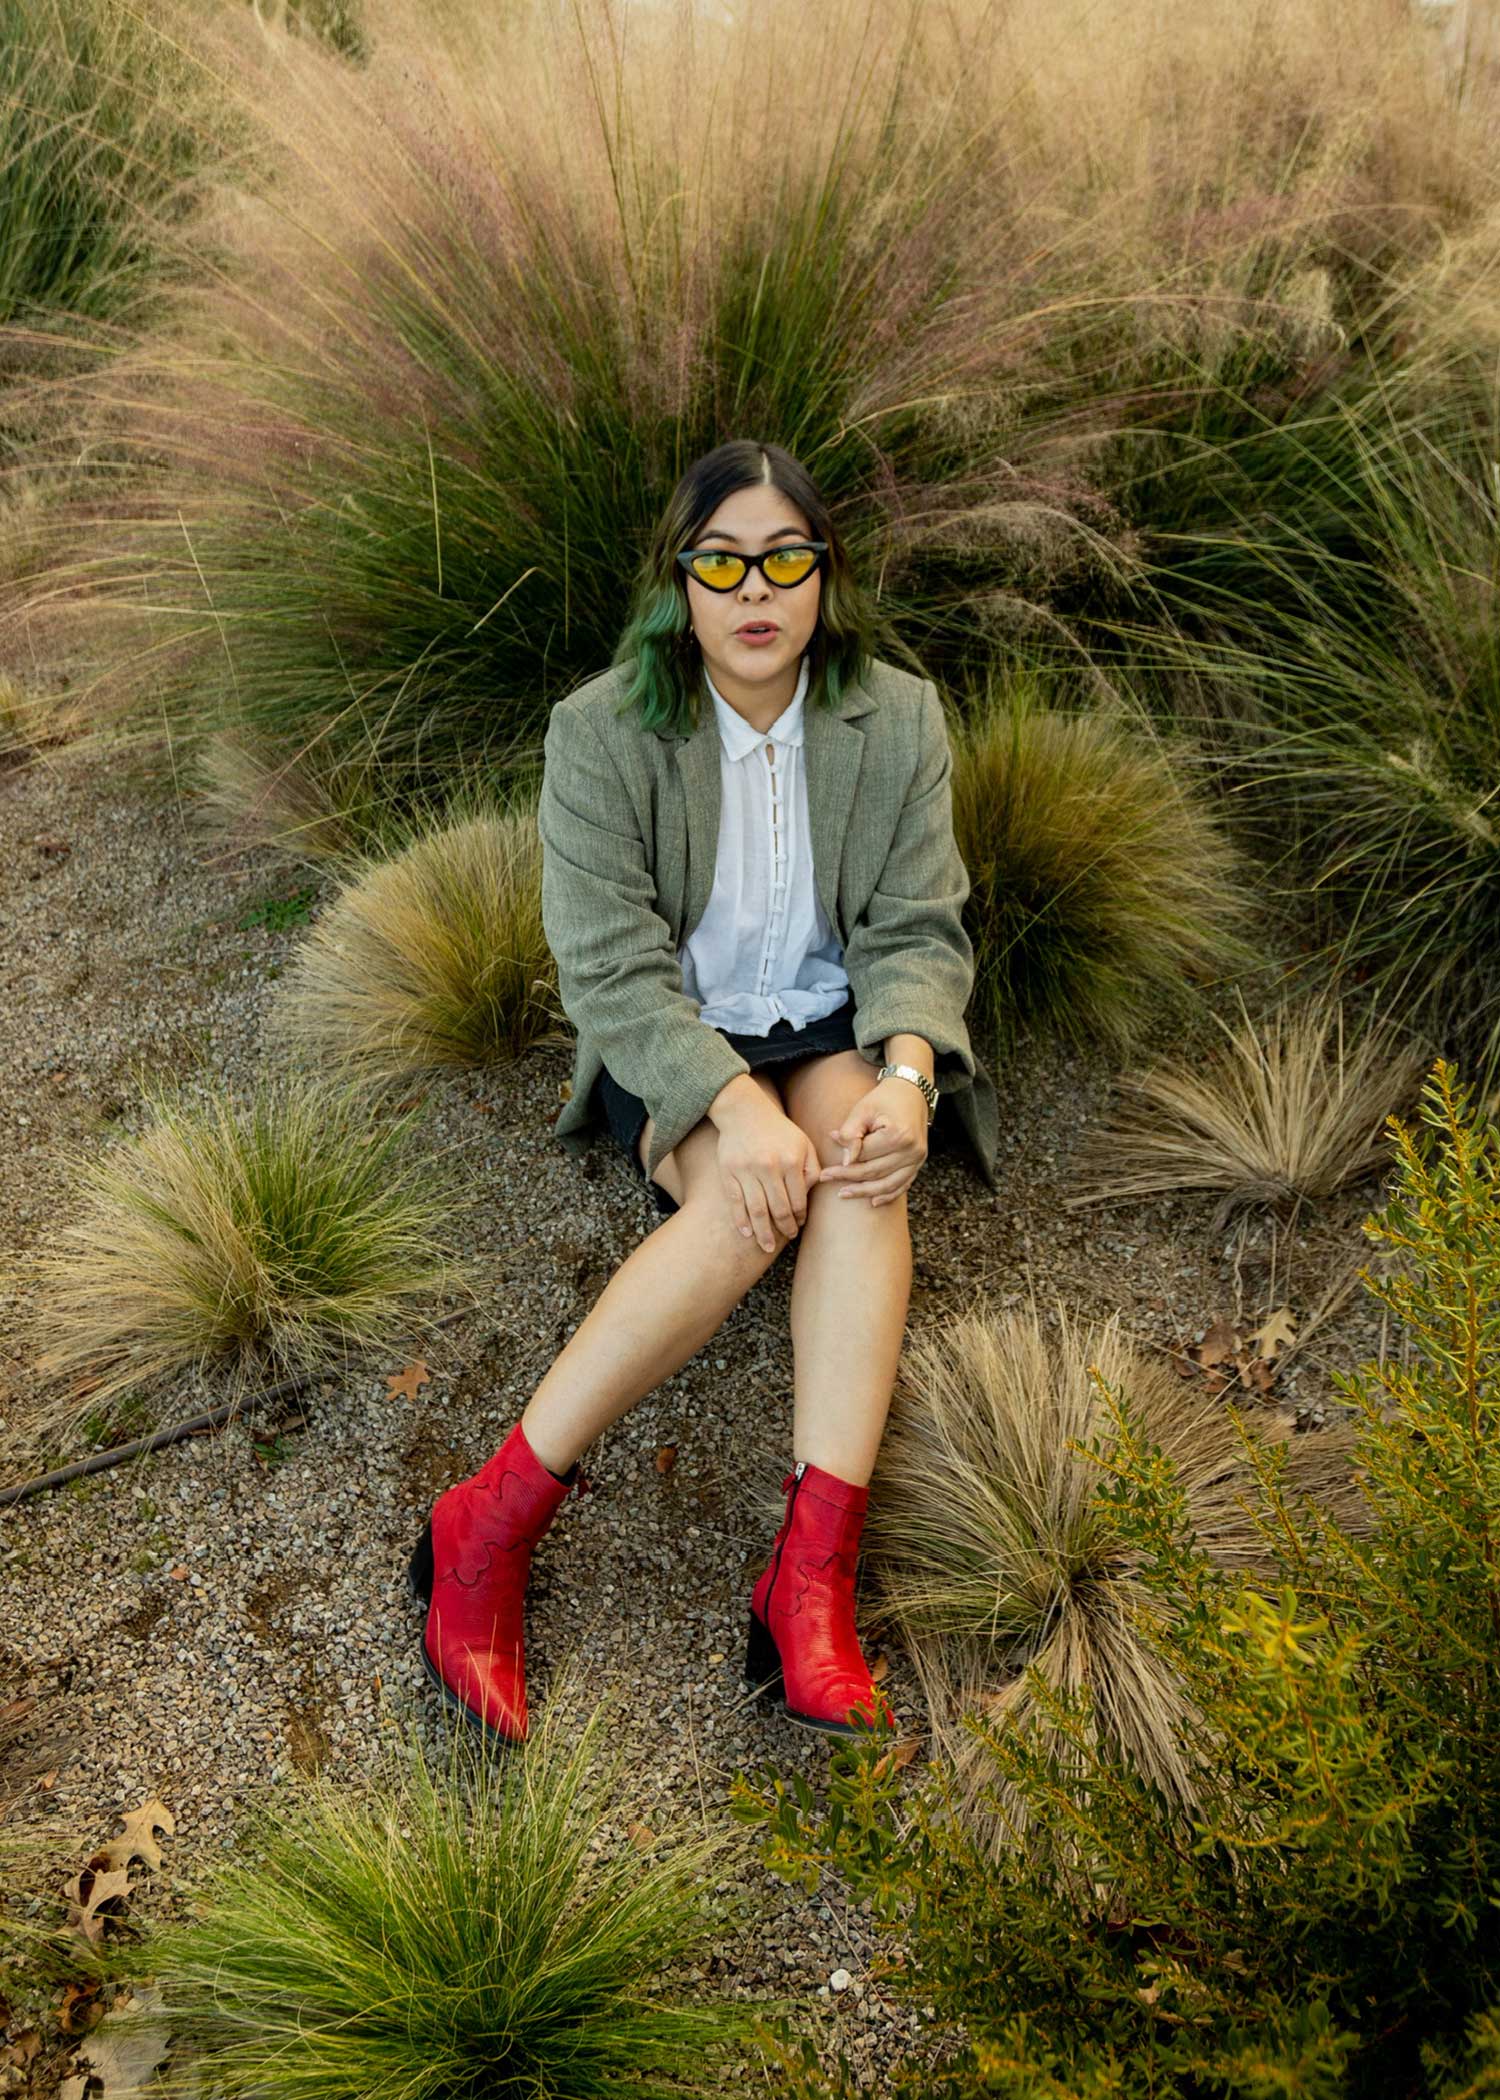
[{"x": 832, "y": 749}]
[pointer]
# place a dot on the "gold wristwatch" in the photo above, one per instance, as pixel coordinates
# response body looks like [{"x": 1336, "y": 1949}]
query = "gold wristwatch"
[{"x": 929, "y": 1091}]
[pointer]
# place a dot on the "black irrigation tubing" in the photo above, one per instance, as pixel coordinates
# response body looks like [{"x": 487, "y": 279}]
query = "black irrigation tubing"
[{"x": 214, "y": 1418}]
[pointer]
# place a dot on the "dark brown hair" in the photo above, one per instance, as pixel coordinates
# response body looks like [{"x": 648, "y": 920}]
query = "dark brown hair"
[{"x": 658, "y": 642}]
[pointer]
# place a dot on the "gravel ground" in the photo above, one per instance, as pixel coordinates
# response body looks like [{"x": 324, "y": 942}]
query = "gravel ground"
[{"x": 212, "y": 1619}]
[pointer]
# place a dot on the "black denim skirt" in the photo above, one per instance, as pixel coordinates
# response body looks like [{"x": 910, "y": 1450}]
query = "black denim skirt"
[{"x": 626, "y": 1113}]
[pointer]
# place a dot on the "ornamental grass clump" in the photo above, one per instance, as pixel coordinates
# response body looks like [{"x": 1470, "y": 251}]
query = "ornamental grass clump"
[
  {"x": 433, "y": 956},
  {"x": 106, "y": 127},
  {"x": 1101, "y": 882},
  {"x": 391, "y": 465},
  {"x": 994, "y": 1554},
  {"x": 1320, "y": 1921},
  {"x": 244, "y": 1236},
  {"x": 1290, "y": 1108},
  {"x": 1363, "y": 645},
  {"x": 446, "y": 1929}
]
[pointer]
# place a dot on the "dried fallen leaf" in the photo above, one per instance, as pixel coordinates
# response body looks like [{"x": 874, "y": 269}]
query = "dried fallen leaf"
[
  {"x": 87, "y": 1895},
  {"x": 1277, "y": 1332},
  {"x": 666, "y": 1458},
  {"x": 897, "y": 1759},
  {"x": 407, "y": 1380},
  {"x": 80, "y": 2009},
  {"x": 639, "y": 1834},
  {"x": 73, "y": 2089},
  {"x": 18, "y": 2054},
  {"x": 178, "y": 1574},
  {"x": 1220, "y": 1345},
  {"x": 137, "y": 1840},
  {"x": 125, "y": 2048},
  {"x": 881, "y": 1669}
]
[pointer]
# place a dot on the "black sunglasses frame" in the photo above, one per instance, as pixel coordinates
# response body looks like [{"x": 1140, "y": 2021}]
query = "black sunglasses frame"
[{"x": 754, "y": 561}]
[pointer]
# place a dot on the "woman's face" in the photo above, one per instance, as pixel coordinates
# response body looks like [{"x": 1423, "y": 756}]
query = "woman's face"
[{"x": 751, "y": 521}]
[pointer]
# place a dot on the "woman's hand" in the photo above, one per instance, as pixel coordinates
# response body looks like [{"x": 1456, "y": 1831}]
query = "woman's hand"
[
  {"x": 767, "y": 1164},
  {"x": 885, "y": 1141}
]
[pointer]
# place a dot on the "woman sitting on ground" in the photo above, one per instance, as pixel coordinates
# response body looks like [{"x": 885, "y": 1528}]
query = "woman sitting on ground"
[{"x": 751, "y": 887}]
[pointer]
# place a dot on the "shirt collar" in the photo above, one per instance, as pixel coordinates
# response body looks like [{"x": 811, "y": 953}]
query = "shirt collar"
[{"x": 736, "y": 734}]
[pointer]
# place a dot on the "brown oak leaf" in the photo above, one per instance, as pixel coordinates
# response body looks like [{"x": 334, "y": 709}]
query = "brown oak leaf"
[
  {"x": 87, "y": 1895},
  {"x": 1276, "y": 1332},
  {"x": 407, "y": 1380},
  {"x": 666, "y": 1458},
  {"x": 137, "y": 1840}
]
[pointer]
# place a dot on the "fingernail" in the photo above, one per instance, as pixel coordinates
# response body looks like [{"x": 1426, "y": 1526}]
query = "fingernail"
[{"x": 744, "y": 1232}]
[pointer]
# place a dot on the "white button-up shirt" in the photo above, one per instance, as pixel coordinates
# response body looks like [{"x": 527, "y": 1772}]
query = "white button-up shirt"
[{"x": 763, "y": 951}]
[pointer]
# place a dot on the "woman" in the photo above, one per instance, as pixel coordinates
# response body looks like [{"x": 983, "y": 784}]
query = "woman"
[{"x": 752, "y": 890}]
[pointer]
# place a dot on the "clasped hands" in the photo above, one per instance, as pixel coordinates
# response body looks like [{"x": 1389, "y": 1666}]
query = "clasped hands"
[{"x": 768, "y": 1163}]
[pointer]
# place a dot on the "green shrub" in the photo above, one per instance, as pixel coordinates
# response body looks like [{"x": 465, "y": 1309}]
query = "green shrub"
[
  {"x": 1325, "y": 1922},
  {"x": 436, "y": 1933},
  {"x": 1100, "y": 881},
  {"x": 433, "y": 956},
  {"x": 262, "y": 1235}
]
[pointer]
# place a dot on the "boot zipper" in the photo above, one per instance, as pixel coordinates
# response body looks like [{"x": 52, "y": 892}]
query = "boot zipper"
[{"x": 797, "y": 1471}]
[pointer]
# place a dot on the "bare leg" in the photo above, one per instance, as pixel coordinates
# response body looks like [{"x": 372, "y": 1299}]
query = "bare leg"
[
  {"x": 850, "y": 1289},
  {"x": 669, "y": 1296}
]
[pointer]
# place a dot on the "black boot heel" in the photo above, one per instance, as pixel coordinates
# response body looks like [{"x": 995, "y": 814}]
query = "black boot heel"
[
  {"x": 419, "y": 1568},
  {"x": 762, "y": 1662}
]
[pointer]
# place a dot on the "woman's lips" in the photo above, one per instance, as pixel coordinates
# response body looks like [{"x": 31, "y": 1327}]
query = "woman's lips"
[{"x": 756, "y": 640}]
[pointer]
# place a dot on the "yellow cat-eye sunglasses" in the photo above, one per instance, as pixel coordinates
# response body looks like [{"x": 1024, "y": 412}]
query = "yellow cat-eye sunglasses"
[{"x": 786, "y": 567}]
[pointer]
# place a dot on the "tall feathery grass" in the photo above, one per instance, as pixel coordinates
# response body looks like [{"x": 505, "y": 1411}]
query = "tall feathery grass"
[
  {"x": 1288, "y": 1109},
  {"x": 454, "y": 1928},
  {"x": 400, "y": 456},
  {"x": 101, "y": 145},
  {"x": 993, "y": 1551},
  {"x": 1101, "y": 880},
  {"x": 431, "y": 955},
  {"x": 1392, "y": 715},
  {"x": 255, "y": 1236}
]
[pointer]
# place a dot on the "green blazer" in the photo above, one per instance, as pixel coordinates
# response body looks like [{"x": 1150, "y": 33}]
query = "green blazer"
[{"x": 629, "y": 821}]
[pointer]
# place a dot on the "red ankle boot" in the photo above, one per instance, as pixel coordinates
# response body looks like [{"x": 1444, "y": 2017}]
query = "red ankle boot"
[
  {"x": 470, "y": 1568},
  {"x": 802, "y": 1640}
]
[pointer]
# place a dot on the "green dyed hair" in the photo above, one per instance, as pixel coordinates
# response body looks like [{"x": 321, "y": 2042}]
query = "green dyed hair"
[{"x": 658, "y": 643}]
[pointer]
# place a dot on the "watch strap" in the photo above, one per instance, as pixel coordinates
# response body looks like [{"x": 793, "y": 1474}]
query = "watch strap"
[{"x": 918, "y": 1079}]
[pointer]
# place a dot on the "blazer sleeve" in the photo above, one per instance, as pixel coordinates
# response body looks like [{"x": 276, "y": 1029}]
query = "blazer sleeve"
[
  {"x": 619, "y": 977},
  {"x": 909, "y": 958}
]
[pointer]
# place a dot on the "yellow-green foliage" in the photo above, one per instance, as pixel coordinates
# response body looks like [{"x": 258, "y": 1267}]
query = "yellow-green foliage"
[{"x": 1324, "y": 1923}]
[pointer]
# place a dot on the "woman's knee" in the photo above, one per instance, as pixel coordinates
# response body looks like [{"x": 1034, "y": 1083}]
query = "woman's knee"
[{"x": 690, "y": 1175}]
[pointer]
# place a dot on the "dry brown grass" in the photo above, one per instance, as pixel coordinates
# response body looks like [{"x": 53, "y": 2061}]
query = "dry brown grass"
[
  {"x": 991, "y": 1553},
  {"x": 258, "y": 796},
  {"x": 1292, "y": 1108},
  {"x": 433, "y": 957}
]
